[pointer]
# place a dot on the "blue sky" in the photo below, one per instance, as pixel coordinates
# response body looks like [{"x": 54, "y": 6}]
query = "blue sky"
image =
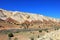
[{"x": 45, "y": 7}]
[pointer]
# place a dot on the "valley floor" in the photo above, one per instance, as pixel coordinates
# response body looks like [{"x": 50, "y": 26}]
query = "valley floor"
[{"x": 25, "y": 34}]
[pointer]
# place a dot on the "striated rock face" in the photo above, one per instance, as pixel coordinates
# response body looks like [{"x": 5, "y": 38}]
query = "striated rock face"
[
  {"x": 21, "y": 16},
  {"x": 30, "y": 19},
  {"x": 54, "y": 35}
]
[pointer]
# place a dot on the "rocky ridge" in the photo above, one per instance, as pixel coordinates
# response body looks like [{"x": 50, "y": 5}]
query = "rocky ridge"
[{"x": 29, "y": 20}]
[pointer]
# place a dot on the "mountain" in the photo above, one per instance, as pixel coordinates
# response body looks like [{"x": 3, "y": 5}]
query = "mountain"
[{"x": 16, "y": 19}]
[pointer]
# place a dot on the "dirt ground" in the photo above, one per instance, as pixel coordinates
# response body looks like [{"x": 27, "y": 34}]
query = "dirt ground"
[{"x": 23, "y": 35}]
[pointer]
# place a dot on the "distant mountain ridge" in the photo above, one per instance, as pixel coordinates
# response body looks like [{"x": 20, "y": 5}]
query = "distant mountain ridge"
[
  {"x": 21, "y": 16},
  {"x": 28, "y": 18}
]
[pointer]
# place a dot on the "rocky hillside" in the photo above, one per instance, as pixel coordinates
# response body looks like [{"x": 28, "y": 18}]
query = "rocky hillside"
[
  {"x": 54, "y": 35},
  {"x": 27, "y": 20}
]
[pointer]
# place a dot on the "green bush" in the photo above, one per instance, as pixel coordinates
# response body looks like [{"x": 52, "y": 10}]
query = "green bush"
[
  {"x": 40, "y": 30},
  {"x": 10, "y": 35}
]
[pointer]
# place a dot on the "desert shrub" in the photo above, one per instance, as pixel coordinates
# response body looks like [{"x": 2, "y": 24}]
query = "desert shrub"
[
  {"x": 32, "y": 38},
  {"x": 38, "y": 36},
  {"x": 46, "y": 30},
  {"x": 56, "y": 28},
  {"x": 17, "y": 32},
  {"x": 40, "y": 30},
  {"x": 17, "y": 24},
  {"x": 10, "y": 35}
]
